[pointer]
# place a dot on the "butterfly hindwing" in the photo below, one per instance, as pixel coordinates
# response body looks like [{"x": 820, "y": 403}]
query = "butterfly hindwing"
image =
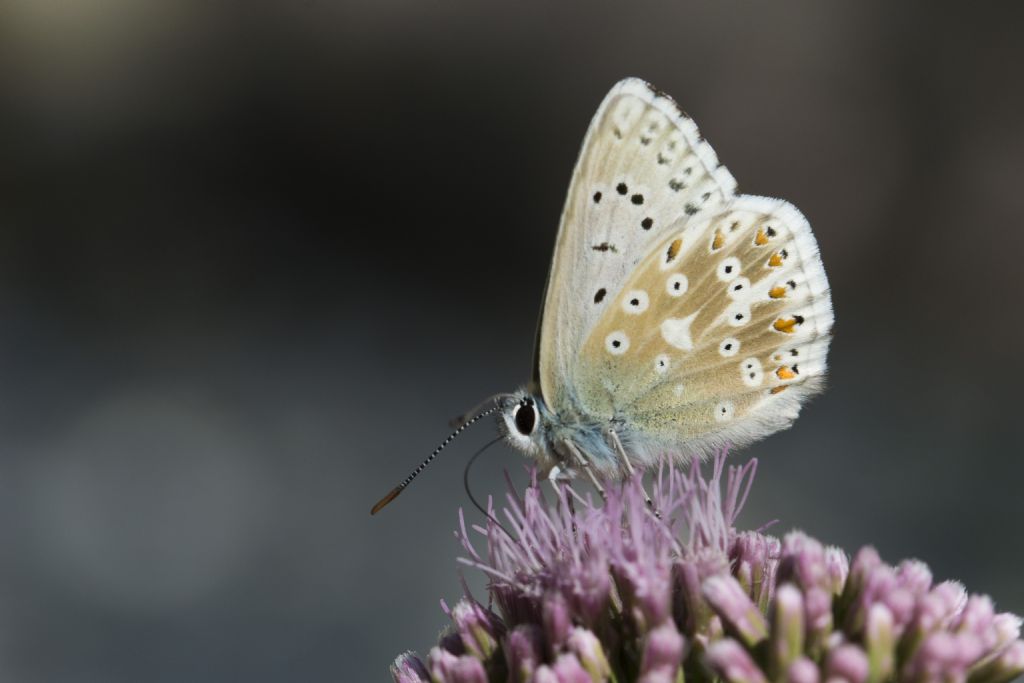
[
  {"x": 717, "y": 336},
  {"x": 643, "y": 169}
]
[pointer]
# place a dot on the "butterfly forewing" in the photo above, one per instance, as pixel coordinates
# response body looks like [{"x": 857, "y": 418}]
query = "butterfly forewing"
[{"x": 643, "y": 169}]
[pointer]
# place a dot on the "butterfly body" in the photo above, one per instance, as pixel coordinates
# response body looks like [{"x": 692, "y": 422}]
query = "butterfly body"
[{"x": 679, "y": 317}]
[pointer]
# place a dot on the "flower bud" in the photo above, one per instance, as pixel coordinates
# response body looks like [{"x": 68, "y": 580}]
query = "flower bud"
[
  {"x": 818, "y": 614},
  {"x": 915, "y": 576},
  {"x": 448, "y": 668},
  {"x": 847, "y": 662},
  {"x": 953, "y": 597},
  {"x": 943, "y": 656},
  {"x": 408, "y": 668},
  {"x": 877, "y": 585},
  {"x": 1005, "y": 667},
  {"x": 589, "y": 652},
  {"x": 557, "y": 620},
  {"x": 837, "y": 567},
  {"x": 803, "y": 561},
  {"x": 863, "y": 564},
  {"x": 689, "y": 604},
  {"x": 936, "y": 609},
  {"x": 787, "y": 632},
  {"x": 1007, "y": 629},
  {"x": 880, "y": 643},
  {"x": 478, "y": 629},
  {"x": 468, "y": 670},
  {"x": 756, "y": 558},
  {"x": 441, "y": 664},
  {"x": 569, "y": 670},
  {"x": 739, "y": 614},
  {"x": 733, "y": 663},
  {"x": 545, "y": 674},
  {"x": 978, "y": 618},
  {"x": 802, "y": 670},
  {"x": 524, "y": 651},
  {"x": 663, "y": 652}
]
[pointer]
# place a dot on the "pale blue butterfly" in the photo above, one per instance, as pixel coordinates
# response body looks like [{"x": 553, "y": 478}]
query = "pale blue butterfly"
[{"x": 679, "y": 317}]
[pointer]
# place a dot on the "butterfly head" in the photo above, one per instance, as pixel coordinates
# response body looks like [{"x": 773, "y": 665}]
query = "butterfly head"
[{"x": 524, "y": 423}]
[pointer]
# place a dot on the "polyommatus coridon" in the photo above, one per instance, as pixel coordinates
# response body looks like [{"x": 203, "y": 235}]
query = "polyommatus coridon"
[{"x": 679, "y": 316}]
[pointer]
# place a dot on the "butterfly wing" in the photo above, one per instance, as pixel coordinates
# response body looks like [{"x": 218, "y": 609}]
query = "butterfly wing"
[
  {"x": 683, "y": 315},
  {"x": 643, "y": 168},
  {"x": 717, "y": 337}
]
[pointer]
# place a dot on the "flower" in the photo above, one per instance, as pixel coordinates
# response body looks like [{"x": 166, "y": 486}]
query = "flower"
[{"x": 621, "y": 591}]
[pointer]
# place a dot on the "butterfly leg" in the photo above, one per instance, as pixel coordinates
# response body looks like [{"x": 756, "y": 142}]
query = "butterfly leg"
[
  {"x": 585, "y": 464},
  {"x": 621, "y": 452},
  {"x": 555, "y": 475},
  {"x": 613, "y": 438}
]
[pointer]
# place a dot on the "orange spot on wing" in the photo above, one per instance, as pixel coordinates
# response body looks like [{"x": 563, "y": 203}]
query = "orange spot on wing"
[
  {"x": 777, "y": 292},
  {"x": 776, "y": 260},
  {"x": 778, "y": 390},
  {"x": 787, "y": 325},
  {"x": 673, "y": 249},
  {"x": 761, "y": 239},
  {"x": 719, "y": 240},
  {"x": 785, "y": 373}
]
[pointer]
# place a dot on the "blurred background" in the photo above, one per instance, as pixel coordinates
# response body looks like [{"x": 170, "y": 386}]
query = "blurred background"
[{"x": 253, "y": 256}]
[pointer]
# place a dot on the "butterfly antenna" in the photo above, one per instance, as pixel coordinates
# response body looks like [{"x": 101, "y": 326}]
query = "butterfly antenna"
[
  {"x": 393, "y": 493},
  {"x": 466, "y": 417}
]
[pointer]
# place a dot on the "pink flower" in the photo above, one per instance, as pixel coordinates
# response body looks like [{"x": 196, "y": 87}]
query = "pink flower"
[{"x": 589, "y": 592}]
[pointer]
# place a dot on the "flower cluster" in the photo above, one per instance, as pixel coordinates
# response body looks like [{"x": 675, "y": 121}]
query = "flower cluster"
[{"x": 624, "y": 591}]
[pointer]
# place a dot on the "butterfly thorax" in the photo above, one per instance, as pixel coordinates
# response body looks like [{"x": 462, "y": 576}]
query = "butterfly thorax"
[{"x": 558, "y": 438}]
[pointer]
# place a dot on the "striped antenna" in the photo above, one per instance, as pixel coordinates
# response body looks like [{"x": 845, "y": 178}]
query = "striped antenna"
[{"x": 415, "y": 473}]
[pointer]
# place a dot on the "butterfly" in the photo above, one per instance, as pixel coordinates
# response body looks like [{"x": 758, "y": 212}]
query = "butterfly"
[{"x": 679, "y": 316}]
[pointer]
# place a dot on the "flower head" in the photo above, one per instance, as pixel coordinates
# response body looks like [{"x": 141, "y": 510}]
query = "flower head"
[{"x": 588, "y": 592}]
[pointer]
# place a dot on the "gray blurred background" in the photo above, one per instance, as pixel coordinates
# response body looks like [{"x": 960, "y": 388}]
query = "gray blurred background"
[{"x": 253, "y": 256}]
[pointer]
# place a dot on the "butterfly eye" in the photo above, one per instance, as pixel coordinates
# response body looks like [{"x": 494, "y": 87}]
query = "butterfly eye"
[{"x": 525, "y": 417}]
